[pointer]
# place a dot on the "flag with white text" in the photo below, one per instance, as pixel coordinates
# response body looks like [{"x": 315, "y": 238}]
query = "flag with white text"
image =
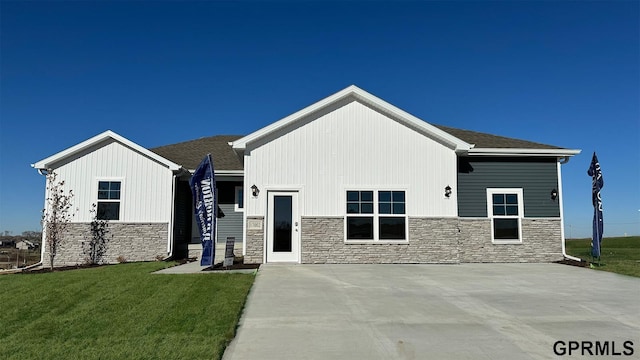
[{"x": 203, "y": 187}]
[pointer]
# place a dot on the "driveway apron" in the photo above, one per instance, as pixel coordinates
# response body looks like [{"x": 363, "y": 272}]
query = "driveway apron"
[{"x": 469, "y": 311}]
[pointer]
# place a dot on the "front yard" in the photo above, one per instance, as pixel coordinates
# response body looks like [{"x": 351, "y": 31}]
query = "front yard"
[{"x": 119, "y": 312}]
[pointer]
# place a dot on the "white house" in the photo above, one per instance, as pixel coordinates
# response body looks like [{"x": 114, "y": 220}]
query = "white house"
[
  {"x": 348, "y": 179},
  {"x": 131, "y": 186}
]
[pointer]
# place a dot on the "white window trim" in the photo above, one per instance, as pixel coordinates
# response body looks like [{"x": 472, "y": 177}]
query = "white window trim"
[
  {"x": 519, "y": 193},
  {"x": 376, "y": 217},
  {"x": 122, "y": 191},
  {"x": 236, "y": 201}
]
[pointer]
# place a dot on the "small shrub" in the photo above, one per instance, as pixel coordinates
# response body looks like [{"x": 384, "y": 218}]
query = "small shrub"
[
  {"x": 96, "y": 246},
  {"x": 121, "y": 259}
]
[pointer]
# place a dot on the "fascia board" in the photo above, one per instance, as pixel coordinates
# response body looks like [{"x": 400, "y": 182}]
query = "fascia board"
[
  {"x": 44, "y": 164},
  {"x": 522, "y": 152},
  {"x": 406, "y": 118},
  {"x": 223, "y": 172}
]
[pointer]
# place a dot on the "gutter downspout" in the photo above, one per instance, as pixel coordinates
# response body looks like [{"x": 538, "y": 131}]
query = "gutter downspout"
[
  {"x": 172, "y": 221},
  {"x": 564, "y": 160},
  {"x": 44, "y": 173}
]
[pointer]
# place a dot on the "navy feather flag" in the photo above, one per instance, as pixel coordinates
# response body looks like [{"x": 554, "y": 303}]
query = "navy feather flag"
[
  {"x": 205, "y": 202},
  {"x": 597, "y": 184}
]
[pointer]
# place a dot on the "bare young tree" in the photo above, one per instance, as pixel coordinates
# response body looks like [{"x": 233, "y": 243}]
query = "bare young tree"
[{"x": 56, "y": 215}]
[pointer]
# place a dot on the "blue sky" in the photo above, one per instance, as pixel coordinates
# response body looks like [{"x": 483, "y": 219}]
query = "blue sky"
[{"x": 561, "y": 73}]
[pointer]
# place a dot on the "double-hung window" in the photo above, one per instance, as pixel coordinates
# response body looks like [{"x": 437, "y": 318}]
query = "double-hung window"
[
  {"x": 109, "y": 200},
  {"x": 505, "y": 209},
  {"x": 376, "y": 215}
]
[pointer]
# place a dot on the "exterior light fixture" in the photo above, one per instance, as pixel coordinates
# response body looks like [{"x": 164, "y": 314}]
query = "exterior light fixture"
[
  {"x": 254, "y": 190},
  {"x": 554, "y": 194},
  {"x": 447, "y": 191}
]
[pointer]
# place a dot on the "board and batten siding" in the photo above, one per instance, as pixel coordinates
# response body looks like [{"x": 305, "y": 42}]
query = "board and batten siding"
[
  {"x": 146, "y": 184},
  {"x": 352, "y": 147},
  {"x": 536, "y": 177}
]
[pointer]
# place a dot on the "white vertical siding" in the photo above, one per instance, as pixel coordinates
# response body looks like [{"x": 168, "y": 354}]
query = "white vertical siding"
[
  {"x": 146, "y": 184},
  {"x": 353, "y": 147}
]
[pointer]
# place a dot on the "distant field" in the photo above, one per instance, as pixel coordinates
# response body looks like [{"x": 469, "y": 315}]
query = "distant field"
[
  {"x": 119, "y": 312},
  {"x": 619, "y": 254}
]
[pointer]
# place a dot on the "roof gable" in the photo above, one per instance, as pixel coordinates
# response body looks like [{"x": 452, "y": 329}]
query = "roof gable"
[
  {"x": 353, "y": 93},
  {"x": 45, "y": 164}
]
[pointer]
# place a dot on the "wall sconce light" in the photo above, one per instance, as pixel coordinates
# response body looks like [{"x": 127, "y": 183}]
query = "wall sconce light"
[
  {"x": 254, "y": 190},
  {"x": 447, "y": 191},
  {"x": 554, "y": 194}
]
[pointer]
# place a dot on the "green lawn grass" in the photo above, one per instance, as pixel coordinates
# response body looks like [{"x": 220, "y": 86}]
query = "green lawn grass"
[
  {"x": 119, "y": 312},
  {"x": 620, "y": 254}
]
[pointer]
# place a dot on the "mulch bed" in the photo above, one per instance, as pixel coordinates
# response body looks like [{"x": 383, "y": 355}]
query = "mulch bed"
[
  {"x": 58, "y": 268},
  {"x": 574, "y": 263},
  {"x": 235, "y": 266}
]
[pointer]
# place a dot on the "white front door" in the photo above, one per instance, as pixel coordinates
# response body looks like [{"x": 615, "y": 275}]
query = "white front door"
[{"x": 283, "y": 227}]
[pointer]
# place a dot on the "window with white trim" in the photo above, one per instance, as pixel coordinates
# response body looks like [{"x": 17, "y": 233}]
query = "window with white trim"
[
  {"x": 239, "y": 198},
  {"x": 109, "y": 200},
  {"x": 505, "y": 209},
  {"x": 376, "y": 215}
]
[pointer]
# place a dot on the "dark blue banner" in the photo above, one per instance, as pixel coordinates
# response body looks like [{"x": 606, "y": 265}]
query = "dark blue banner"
[
  {"x": 205, "y": 204},
  {"x": 598, "y": 226}
]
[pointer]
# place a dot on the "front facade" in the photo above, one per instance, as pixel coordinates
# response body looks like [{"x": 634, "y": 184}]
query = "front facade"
[{"x": 353, "y": 179}]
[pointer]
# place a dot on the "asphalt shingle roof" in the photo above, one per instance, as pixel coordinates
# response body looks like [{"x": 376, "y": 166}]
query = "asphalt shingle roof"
[
  {"x": 189, "y": 154},
  {"x": 484, "y": 140}
]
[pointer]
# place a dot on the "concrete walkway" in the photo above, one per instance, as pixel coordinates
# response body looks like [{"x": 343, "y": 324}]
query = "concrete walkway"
[
  {"x": 186, "y": 268},
  {"x": 470, "y": 311},
  {"x": 195, "y": 268}
]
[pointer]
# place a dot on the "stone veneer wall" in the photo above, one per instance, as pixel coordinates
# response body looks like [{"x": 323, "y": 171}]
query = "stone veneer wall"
[
  {"x": 132, "y": 241},
  {"x": 541, "y": 242},
  {"x": 432, "y": 240},
  {"x": 255, "y": 243}
]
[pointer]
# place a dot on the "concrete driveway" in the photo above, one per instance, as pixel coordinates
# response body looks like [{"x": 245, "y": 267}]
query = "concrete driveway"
[{"x": 470, "y": 311}]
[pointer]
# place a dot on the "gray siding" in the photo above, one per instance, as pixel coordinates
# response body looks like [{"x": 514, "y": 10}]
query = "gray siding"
[
  {"x": 536, "y": 177},
  {"x": 230, "y": 224}
]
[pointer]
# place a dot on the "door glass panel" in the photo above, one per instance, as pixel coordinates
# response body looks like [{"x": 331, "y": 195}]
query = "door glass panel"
[{"x": 282, "y": 223}]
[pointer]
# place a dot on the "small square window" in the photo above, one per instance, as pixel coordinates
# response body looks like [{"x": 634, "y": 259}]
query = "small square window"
[{"x": 353, "y": 208}]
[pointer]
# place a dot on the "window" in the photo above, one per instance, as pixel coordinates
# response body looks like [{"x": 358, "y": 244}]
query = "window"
[
  {"x": 239, "y": 198},
  {"x": 376, "y": 215},
  {"x": 109, "y": 200},
  {"x": 505, "y": 209}
]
